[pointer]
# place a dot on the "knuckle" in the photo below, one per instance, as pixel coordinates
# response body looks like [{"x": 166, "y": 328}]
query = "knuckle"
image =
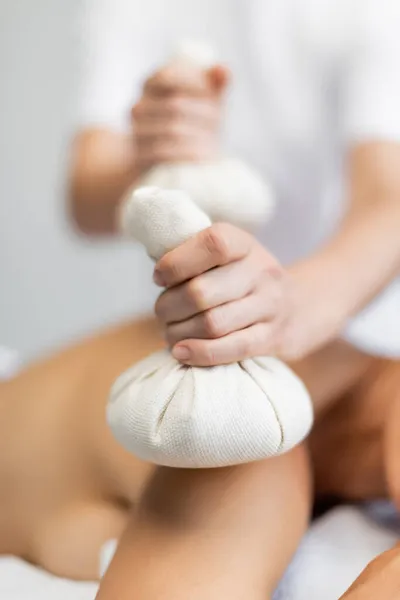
[
  {"x": 212, "y": 324},
  {"x": 161, "y": 151},
  {"x": 172, "y": 129},
  {"x": 175, "y": 107},
  {"x": 216, "y": 240},
  {"x": 170, "y": 336},
  {"x": 136, "y": 109},
  {"x": 208, "y": 355},
  {"x": 159, "y": 307},
  {"x": 244, "y": 346},
  {"x": 196, "y": 294},
  {"x": 271, "y": 267},
  {"x": 169, "y": 269}
]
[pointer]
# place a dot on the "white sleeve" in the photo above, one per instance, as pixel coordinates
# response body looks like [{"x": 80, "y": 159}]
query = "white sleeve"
[
  {"x": 371, "y": 110},
  {"x": 376, "y": 330},
  {"x": 370, "y": 87},
  {"x": 122, "y": 42}
]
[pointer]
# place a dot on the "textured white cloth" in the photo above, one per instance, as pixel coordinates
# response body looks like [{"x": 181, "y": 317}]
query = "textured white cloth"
[
  {"x": 226, "y": 189},
  {"x": 161, "y": 220},
  {"x": 180, "y": 416}
]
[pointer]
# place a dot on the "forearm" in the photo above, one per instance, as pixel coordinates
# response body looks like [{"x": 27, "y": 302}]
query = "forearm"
[
  {"x": 103, "y": 169},
  {"x": 350, "y": 270}
]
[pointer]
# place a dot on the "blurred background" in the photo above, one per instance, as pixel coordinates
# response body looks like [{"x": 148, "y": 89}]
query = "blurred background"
[{"x": 54, "y": 285}]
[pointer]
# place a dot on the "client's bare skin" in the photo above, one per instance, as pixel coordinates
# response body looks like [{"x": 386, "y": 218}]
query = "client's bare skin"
[{"x": 67, "y": 487}]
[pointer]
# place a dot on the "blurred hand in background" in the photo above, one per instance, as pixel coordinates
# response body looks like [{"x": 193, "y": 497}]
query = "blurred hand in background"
[
  {"x": 179, "y": 114},
  {"x": 176, "y": 119}
]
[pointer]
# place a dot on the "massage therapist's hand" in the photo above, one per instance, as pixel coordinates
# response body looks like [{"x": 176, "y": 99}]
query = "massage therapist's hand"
[
  {"x": 178, "y": 116},
  {"x": 227, "y": 298}
]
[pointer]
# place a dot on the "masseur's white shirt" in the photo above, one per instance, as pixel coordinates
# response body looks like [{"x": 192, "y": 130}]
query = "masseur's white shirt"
[{"x": 310, "y": 79}]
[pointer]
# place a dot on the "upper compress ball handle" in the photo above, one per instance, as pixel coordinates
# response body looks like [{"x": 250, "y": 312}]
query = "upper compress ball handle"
[
  {"x": 161, "y": 219},
  {"x": 194, "y": 53}
]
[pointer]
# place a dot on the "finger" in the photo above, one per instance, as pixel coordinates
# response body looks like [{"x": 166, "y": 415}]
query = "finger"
[
  {"x": 219, "y": 77},
  {"x": 217, "y": 245},
  {"x": 149, "y": 137},
  {"x": 214, "y": 288},
  {"x": 222, "y": 320},
  {"x": 161, "y": 129},
  {"x": 172, "y": 150},
  {"x": 177, "y": 108},
  {"x": 173, "y": 79},
  {"x": 254, "y": 341}
]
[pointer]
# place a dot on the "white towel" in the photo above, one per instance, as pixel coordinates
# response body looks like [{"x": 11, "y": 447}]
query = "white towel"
[{"x": 333, "y": 554}]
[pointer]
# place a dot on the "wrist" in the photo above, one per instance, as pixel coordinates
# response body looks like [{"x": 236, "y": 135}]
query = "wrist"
[{"x": 316, "y": 308}]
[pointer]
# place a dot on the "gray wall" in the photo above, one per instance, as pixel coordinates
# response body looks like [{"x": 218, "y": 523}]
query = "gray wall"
[{"x": 54, "y": 286}]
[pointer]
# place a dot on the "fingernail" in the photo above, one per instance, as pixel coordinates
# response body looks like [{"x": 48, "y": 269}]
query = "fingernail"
[
  {"x": 158, "y": 278},
  {"x": 181, "y": 353}
]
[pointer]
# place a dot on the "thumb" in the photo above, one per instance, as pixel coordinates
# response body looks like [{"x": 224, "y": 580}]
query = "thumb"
[{"x": 218, "y": 77}]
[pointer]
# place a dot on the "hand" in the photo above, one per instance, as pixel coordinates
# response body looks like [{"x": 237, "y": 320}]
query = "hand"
[
  {"x": 178, "y": 115},
  {"x": 227, "y": 298}
]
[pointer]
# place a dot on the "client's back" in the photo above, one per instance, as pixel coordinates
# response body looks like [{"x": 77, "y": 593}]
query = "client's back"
[{"x": 66, "y": 486}]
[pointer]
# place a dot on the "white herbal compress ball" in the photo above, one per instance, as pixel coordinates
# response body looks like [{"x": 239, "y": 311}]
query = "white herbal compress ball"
[
  {"x": 226, "y": 188},
  {"x": 179, "y": 416}
]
